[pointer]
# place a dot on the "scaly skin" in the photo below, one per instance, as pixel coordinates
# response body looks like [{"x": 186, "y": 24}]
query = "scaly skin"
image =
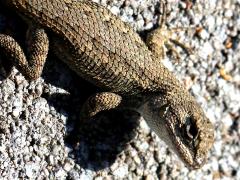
[{"x": 101, "y": 48}]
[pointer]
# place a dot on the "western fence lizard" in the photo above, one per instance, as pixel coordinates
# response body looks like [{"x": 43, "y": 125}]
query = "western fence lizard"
[{"x": 101, "y": 48}]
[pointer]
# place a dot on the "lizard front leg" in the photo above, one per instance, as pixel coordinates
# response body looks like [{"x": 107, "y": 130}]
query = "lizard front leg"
[
  {"x": 99, "y": 102},
  {"x": 31, "y": 63}
]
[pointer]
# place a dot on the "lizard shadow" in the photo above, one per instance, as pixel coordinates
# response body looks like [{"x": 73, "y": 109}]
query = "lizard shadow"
[
  {"x": 99, "y": 142},
  {"x": 102, "y": 140}
]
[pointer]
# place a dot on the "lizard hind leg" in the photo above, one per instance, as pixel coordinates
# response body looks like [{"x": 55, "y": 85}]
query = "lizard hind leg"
[
  {"x": 30, "y": 64},
  {"x": 163, "y": 37},
  {"x": 97, "y": 103}
]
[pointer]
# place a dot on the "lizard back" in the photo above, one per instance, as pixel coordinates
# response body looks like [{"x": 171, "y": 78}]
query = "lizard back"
[{"x": 100, "y": 47}]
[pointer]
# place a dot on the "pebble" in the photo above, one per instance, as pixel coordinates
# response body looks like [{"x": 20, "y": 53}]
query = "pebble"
[
  {"x": 211, "y": 23},
  {"x": 204, "y": 34},
  {"x": 60, "y": 174},
  {"x": 144, "y": 127},
  {"x": 31, "y": 168},
  {"x": 121, "y": 172},
  {"x": 137, "y": 160},
  {"x": 206, "y": 50},
  {"x": 68, "y": 166},
  {"x": 149, "y": 177}
]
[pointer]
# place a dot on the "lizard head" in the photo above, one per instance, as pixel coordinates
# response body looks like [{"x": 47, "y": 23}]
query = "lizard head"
[{"x": 183, "y": 126}]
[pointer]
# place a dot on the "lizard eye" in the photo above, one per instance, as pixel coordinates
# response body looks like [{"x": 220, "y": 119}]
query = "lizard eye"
[{"x": 190, "y": 129}]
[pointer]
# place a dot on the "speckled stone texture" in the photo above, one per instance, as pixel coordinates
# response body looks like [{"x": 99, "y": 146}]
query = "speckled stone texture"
[{"x": 38, "y": 120}]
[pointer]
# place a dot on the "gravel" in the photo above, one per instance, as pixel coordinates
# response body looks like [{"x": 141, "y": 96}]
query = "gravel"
[{"x": 39, "y": 119}]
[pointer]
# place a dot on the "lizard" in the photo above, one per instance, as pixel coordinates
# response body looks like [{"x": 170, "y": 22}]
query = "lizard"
[{"x": 107, "y": 52}]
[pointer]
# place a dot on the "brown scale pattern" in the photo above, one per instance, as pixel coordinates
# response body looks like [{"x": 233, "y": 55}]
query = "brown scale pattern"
[
  {"x": 114, "y": 55},
  {"x": 101, "y": 48}
]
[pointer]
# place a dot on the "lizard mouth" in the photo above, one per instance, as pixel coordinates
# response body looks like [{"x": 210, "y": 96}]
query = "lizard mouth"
[{"x": 189, "y": 156}]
